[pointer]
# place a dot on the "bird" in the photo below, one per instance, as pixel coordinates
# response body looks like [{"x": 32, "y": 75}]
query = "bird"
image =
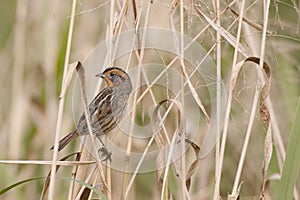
[{"x": 106, "y": 109}]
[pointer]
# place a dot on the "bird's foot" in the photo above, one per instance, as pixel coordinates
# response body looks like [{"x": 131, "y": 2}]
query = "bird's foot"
[{"x": 105, "y": 154}]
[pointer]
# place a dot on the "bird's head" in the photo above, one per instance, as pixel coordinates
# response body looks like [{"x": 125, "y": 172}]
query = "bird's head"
[{"x": 116, "y": 78}]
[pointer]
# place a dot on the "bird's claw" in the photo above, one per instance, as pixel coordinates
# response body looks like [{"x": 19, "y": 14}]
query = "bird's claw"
[{"x": 105, "y": 153}]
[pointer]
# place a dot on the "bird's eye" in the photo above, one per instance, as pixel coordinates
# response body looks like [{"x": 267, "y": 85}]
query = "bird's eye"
[{"x": 112, "y": 74}]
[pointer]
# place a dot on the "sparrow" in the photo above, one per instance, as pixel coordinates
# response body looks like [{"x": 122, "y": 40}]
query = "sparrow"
[{"x": 106, "y": 109}]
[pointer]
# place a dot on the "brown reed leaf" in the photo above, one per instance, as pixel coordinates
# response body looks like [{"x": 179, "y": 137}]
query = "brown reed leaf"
[
  {"x": 194, "y": 164},
  {"x": 47, "y": 181},
  {"x": 161, "y": 158},
  {"x": 264, "y": 113},
  {"x": 268, "y": 150}
]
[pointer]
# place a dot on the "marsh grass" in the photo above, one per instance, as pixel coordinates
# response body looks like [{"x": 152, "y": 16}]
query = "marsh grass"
[{"x": 39, "y": 40}]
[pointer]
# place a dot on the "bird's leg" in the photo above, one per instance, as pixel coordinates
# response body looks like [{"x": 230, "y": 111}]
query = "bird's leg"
[
  {"x": 99, "y": 138},
  {"x": 105, "y": 154},
  {"x": 104, "y": 151}
]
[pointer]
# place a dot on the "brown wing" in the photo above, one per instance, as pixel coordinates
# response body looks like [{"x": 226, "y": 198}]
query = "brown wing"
[
  {"x": 106, "y": 111},
  {"x": 99, "y": 108}
]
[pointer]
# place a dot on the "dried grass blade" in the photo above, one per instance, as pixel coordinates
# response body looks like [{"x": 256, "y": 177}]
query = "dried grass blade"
[
  {"x": 47, "y": 181},
  {"x": 264, "y": 115},
  {"x": 194, "y": 164},
  {"x": 69, "y": 75},
  {"x": 61, "y": 103},
  {"x": 161, "y": 164},
  {"x": 80, "y": 72},
  {"x": 224, "y": 33},
  {"x": 268, "y": 150},
  {"x": 249, "y": 22},
  {"x": 161, "y": 158},
  {"x": 159, "y": 138},
  {"x": 180, "y": 51},
  {"x": 264, "y": 112}
]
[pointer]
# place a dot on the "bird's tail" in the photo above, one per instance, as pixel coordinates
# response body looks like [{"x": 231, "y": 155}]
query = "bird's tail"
[{"x": 66, "y": 140}]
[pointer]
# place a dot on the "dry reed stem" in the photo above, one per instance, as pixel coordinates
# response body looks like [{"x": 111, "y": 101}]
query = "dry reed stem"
[
  {"x": 131, "y": 182},
  {"x": 262, "y": 53},
  {"x": 108, "y": 180},
  {"x": 178, "y": 166},
  {"x": 61, "y": 104},
  {"x": 47, "y": 181},
  {"x": 140, "y": 62},
  {"x": 182, "y": 65},
  {"x": 44, "y": 162},
  {"x": 280, "y": 149},
  {"x": 219, "y": 79},
  {"x": 149, "y": 87},
  {"x": 261, "y": 63},
  {"x": 268, "y": 151},
  {"x": 150, "y": 141},
  {"x": 164, "y": 193},
  {"x": 80, "y": 173},
  {"x": 75, "y": 171},
  {"x": 181, "y": 50},
  {"x": 150, "y": 90},
  {"x": 185, "y": 83},
  {"x": 86, "y": 180},
  {"x": 72, "y": 184},
  {"x": 80, "y": 71},
  {"x": 234, "y": 193},
  {"x": 225, "y": 34},
  {"x": 111, "y": 26},
  {"x": 228, "y": 108}
]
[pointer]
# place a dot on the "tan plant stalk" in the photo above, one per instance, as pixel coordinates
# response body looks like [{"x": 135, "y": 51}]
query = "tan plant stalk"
[
  {"x": 228, "y": 108},
  {"x": 61, "y": 104},
  {"x": 184, "y": 192},
  {"x": 218, "y": 106}
]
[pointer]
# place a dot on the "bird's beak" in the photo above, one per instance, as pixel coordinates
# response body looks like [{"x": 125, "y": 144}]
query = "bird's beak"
[{"x": 101, "y": 75}]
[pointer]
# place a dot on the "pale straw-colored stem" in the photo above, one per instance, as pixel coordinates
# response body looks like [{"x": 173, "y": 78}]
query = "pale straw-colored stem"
[
  {"x": 228, "y": 108},
  {"x": 61, "y": 105},
  {"x": 218, "y": 103}
]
